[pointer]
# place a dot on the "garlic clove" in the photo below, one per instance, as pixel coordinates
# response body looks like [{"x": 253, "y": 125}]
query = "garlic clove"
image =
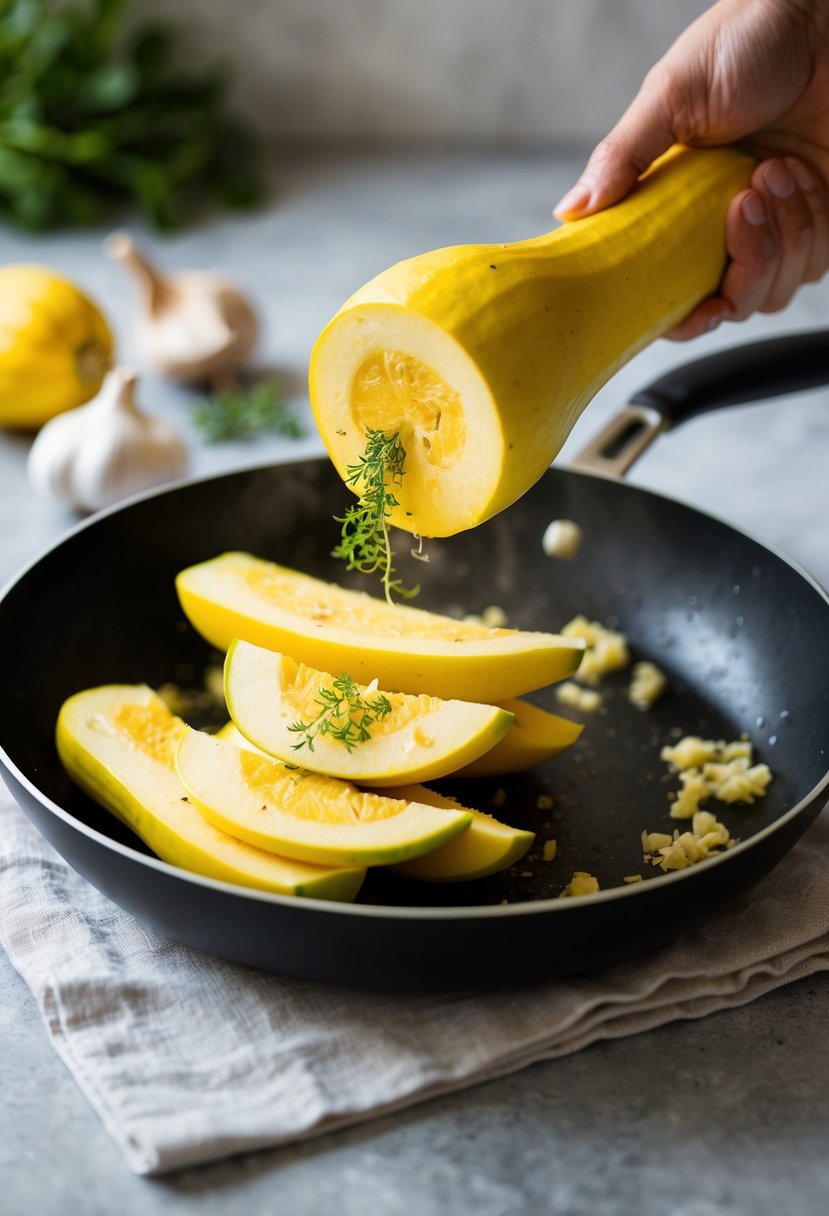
[
  {"x": 106, "y": 450},
  {"x": 194, "y": 326}
]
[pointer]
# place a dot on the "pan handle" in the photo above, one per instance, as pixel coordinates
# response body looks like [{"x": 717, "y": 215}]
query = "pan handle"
[{"x": 737, "y": 376}]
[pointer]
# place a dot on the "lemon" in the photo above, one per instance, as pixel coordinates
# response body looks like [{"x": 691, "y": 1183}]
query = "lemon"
[
  {"x": 384, "y": 738},
  {"x": 306, "y": 815},
  {"x": 118, "y": 742},
  {"x": 328, "y": 627},
  {"x": 55, "y": 346}
]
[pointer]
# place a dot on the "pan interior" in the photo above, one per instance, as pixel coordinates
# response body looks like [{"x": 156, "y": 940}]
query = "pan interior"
[{"x": 739, "y": 632}]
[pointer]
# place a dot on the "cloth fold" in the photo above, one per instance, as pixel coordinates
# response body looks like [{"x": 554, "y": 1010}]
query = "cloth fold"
[{"x": 187, "y": 1058}]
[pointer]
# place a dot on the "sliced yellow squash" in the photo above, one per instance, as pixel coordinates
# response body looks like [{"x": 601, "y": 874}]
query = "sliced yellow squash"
[
  {"x": 305, "y": 815},
  {"x": 486, "y": 846},
  {"x": 535, "y": 737},
  {"x": 396, "y": 739},
  {"x": 482, "y": 357},
  {"x": 118, "y": 742},
  {"x": 405, "y": 649}
]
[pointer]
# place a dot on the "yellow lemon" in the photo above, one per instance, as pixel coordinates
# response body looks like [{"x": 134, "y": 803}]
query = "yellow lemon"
[{"x": 55, "y": 346}]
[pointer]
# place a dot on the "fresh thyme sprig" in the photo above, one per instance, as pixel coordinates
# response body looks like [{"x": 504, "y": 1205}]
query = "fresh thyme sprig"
[
  {"x": 346, "y": 715},
  {"x": 242, "y": 411},
  {"x": 364, "y": 543}
]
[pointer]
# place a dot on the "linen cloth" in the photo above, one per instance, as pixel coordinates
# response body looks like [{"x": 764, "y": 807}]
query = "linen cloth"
[{"x": 187, "y": 1058}]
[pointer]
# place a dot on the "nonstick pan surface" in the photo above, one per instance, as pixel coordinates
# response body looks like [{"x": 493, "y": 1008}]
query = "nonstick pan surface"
[{"x": 740, "y": 632}]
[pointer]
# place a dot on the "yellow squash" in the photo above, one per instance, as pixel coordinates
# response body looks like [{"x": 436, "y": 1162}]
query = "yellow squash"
[
  {"x": 300, "y": 814},
  {"x": 360, "y": 734},
  {"x": 535, "y": 737},
  {"x": 405, "y": 649},
  {"x": 55, "y": 346},
  {"x": 485, "y": 847},
  {"x": 482, "y": 357},
  {"x": 118, "y": 742}
]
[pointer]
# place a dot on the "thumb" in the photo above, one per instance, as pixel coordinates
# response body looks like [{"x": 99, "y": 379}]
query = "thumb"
[{"x": 644, "y": 131}]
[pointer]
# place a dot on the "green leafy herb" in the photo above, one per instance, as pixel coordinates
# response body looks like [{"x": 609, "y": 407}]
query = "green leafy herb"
[
  {"x": 364, "y": 544},
  {"x": 345, "y": 714},
  {"x": 238, "y": 413},
  {"x": 91, "y": 117}
]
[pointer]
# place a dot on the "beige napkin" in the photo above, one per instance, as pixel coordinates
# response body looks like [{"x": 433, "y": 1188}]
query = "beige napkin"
[{"x": 187, "y": 1058}]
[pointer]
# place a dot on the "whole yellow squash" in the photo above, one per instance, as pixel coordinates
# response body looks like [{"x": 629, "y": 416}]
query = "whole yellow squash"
[
  {"x": 55, "y": 346},
  {"x": 482, "y": 357}
]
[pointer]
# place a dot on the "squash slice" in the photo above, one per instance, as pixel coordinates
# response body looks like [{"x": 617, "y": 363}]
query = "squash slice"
[
  {"x": 486, "y": 846},
  {"x": 305, "y": 815},
  {"x": 405, "y": 649},
  {"x": 118, "y": 743},
  {"x": 398, "y": 739},
  {"x": 535, "y": 737}
]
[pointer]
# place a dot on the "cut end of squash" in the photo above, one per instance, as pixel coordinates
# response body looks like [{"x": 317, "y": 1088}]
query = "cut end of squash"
[{"x": 381, "y": 367}]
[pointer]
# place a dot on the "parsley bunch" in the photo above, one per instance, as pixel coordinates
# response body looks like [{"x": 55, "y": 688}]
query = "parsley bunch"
[{"x": 90, "y": 119}]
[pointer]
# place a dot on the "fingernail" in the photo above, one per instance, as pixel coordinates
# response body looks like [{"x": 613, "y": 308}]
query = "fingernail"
[
  {"x": 714, "y": 322},
  {"x": 754, "y": 210},
  {"x": 778, "y": 179},
  {"x": 803, "y": 176},
  {"x": 574, "y": 200}
]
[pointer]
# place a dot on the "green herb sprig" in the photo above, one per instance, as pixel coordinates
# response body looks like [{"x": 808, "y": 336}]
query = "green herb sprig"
[
  {"x": 94, "y": 116},
  {"x": 240, "y": 412},
  {"x": 364, "y": 543},
  {"x": 346, "y": 715}
]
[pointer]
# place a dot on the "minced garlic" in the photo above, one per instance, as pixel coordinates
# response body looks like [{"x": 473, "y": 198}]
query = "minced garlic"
[
  {"x": 549, "y": 851},
  {"x": 683, "y": 849},
  {"x": 562, "y": 538},
  {"x": 606, "y": 650},
  {"x": 711, "y": 768},
  {"x": 586, "y": 699},
  {"x": 580, "y": 884},
  {"x": 647, "y": 684}
]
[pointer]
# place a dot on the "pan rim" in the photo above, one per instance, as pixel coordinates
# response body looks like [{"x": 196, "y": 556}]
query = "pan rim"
[{"x": 402, "y": 911}]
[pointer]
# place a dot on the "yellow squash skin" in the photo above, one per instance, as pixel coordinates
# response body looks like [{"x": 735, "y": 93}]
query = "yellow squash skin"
[
  {"x": 482, "y": 357},
  {"x": 333, "y": 629},
  {"x": 55, "y": 346},
  {"x": 486, "y": 847},
  {"x": 117, "y": 742},
  {"x": 535, "y": 737}
]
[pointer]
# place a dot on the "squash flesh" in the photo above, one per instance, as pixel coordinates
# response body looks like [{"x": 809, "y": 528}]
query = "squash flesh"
[{"x": 118, "y": 742}]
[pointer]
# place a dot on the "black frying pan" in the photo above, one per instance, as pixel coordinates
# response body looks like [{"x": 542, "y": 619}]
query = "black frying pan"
[{"x": 741, "y": 632}]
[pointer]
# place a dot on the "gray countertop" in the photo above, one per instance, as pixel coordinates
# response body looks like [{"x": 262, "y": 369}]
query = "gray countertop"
[{"x": 726, "y": 1115}]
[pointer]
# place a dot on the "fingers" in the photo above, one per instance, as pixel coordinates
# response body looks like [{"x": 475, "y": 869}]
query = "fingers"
[
  {"x": 644, "y": 132},
  {"x": 777, "y": 237}
]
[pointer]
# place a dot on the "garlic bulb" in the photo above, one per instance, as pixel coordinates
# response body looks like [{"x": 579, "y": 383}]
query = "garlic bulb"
[
  {"x": 195, "y": 327},
  {"x": 103, "y": 451}
]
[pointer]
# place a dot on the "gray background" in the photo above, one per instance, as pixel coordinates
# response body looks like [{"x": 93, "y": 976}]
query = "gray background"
[{"x": 487, "y": 70}]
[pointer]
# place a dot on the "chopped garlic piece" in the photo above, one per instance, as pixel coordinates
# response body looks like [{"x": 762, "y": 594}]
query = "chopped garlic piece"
[
  {"x": 549, "y": 851},
  {"x": 632, "y": 878},
  {"x": 695, "y": 789},
  {"x": 652, "y": 842},
  {"x": 562, "y": 538},
  {"x": 647, "y": 684},
  {"x": 745, "y": 786},
  {"x": 606, "y": 650},
  {"x": 494, "y": 616},
  {"x": 580, "y": 884},
  {"x": 544, "y": 802},
  {"x": 690, "y": 752},
  {"x": 586, "y": 699}
]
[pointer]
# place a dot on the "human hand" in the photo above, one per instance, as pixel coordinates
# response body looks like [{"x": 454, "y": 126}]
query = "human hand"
[{"x": 756, "y": 71}]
